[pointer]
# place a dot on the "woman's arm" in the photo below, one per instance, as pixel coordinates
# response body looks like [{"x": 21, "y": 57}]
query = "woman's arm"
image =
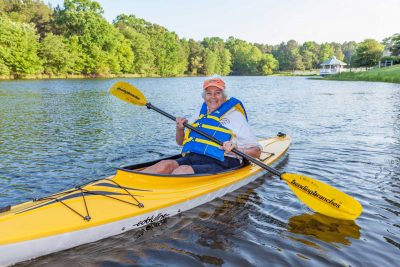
[{"x": 255, "y": 152}]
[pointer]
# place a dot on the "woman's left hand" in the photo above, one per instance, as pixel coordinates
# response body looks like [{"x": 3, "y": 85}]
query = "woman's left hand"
[{"x": 228, "y": 146}]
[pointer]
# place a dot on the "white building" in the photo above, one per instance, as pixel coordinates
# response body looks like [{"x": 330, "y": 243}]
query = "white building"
[{"x": 332, "y": 66}]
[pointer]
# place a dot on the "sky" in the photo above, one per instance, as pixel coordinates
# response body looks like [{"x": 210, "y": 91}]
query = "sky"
[{"x": 265, "y": 21}]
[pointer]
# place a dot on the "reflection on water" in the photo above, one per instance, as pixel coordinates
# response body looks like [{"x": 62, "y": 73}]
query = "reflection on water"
[
  {"x": 56, "y": 134},
  {"x": 324, "y": 228}
]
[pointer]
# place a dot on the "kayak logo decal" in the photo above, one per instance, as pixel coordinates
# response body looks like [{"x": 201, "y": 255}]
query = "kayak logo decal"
[
  {"x": 152, "y": 219},
  {"x": 128, "y": 93},
  {"x": 151, "y": 223},
  {"x": 315, "y": 193}
]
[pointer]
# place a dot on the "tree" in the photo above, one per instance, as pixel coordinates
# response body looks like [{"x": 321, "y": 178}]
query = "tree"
[
  {"x": 4, "y": 70},
  {"x": 54, "y": 54},
  {"x": 223, "y": 60},
  {"x": 248, "y": 59},
  {"x": 29, "y": 11},
  {"x": 264, "y": 48},
  {"x": 168, "y": 54},
  {"x": 76, "y": 56},
  {"x": 143, "y": 59},
  {"x": 309, "y": 52},
  {"x": 395, "y": 47},
  {"x": 368, "y": 53},
  {"x": 268, "y": 64},
  {"x": 337, "y": 50},
  {"x": 326, "y": 52},
  {"x": 184, "y": 56},
  {"x": 289, "y": 56},
  {"x": 21, "y": 57},
  {"x": 349, "y": 49},
  {"x": 210, "y": 59},
  {"x": 195, "y": 58},
  {"x": 105, "y": 49}
]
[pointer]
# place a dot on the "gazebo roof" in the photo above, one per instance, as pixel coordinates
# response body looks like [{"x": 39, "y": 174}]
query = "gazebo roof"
[{"x": 334, "y": 62}]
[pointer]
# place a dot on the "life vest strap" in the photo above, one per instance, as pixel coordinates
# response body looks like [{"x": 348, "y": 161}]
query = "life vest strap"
[
  {"x": 219, "y": 129},
  {"x": 207, "y": 142},
  {"x": 187, "y": 140},
  {"x": 212, "y": 117}
]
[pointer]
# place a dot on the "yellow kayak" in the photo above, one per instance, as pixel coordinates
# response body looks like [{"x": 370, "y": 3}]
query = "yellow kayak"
[{"x": 128, "y": 200}]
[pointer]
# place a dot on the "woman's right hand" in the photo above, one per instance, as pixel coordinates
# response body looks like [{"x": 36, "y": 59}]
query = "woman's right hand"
[{"x": 180, "y": 122}]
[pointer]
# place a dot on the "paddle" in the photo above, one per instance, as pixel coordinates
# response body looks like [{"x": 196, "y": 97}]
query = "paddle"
[{"x": 318, "y": 196}]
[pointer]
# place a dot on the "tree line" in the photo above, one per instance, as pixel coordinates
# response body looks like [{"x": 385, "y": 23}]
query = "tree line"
[{"x": 76, "y": 39}]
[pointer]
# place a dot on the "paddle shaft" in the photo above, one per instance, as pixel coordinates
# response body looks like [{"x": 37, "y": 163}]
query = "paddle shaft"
[{"x": 236, "y": 151}]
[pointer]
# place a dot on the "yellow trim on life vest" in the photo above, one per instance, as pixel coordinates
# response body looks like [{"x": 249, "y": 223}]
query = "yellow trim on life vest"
[
  {"x": 213, "y": 117},
  {"x": 207, "y": 142},
  {"x": 187, "y": 140},
  {"x": 240, "y": 108},
  {"x": 217, "y": 128}
]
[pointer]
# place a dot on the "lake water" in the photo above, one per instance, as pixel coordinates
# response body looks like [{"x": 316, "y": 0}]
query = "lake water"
[{"x": 55, "y": 134}]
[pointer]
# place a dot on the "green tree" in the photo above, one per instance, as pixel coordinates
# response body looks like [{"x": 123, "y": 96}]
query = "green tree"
[
  {"x": 264, "y": 48},
  {"x": 4, "y": 70},
  {"x": 268, "y": 64},
  {"x": 289, "y": 56},
  {"x": 244, "y": 57},
  {"x": 309, "y": 52},
  {"x": 248, "y": 59},
  {"x": 134, "y": 31},
  {"x": 195, "y": 57},
  {"x": 55, "y": 54},
  {"x": 223, "y": 61},
  {"x": 29, "y": 11},
  {"x": 18, "y": 48},
  {"x": 169, "y": 54},
  {"x": 76, "y": 56},
  {"x": 210, "y": 59},
  {"x": 395, "y": 47},
  {"x": 349, "y": 49},
  {"x": 368, "y": 53},
  {"x": 105, "y": 49},
  {"x": 183, "y": 57},
  {"x": 337, "y": 51},
  {"x": 326, "y": 52}
]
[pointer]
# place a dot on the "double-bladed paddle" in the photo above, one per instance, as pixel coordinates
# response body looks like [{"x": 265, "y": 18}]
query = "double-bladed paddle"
[{"x": 318, "y": 196}]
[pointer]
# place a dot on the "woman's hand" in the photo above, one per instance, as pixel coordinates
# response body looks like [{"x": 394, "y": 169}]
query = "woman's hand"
[
  {"x": 180, "y": 122},
  {"x": 228, "y": 146}
]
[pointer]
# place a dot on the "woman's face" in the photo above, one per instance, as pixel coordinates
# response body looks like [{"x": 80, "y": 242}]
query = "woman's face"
[{"x": 214, "y": 98}]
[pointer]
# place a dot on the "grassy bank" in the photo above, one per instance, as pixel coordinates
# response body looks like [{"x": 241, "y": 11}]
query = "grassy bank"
[{"x": 389, "y": 74}]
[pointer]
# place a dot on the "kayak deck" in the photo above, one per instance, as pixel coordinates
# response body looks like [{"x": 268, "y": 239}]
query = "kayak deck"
[{"x": 126, "y": 200}]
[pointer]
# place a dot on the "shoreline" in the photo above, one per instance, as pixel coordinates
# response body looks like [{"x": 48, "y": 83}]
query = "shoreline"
[
  {"x": 81, "y": 76},
  {"x": 388, "y": 75},
  {"x": 70, "y": 76}
]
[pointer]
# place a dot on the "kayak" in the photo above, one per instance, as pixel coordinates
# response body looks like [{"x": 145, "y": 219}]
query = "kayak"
[{"x": 130, "y": 199}]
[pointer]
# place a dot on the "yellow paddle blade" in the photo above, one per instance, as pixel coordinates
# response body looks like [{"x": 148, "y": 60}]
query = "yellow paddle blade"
[
  {"x": 128, "y": 93},
  {"x": 323, "y": 198}
]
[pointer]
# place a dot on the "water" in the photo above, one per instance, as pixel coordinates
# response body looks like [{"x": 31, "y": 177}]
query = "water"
[{"x": 59, "y": 133}]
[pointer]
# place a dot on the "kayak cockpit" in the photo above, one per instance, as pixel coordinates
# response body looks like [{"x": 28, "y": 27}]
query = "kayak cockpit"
[{"x": 136, "y": 168}]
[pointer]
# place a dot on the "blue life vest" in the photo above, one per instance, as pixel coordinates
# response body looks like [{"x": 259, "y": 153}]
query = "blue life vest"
[{"x": 210, "y": 124}]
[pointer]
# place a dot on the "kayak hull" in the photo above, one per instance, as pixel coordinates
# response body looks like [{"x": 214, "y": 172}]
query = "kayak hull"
[{"x": 143, "y": 199}]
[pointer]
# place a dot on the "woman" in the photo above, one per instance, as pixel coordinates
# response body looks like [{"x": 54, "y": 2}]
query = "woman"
[{"x": 223, "y": 118}]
